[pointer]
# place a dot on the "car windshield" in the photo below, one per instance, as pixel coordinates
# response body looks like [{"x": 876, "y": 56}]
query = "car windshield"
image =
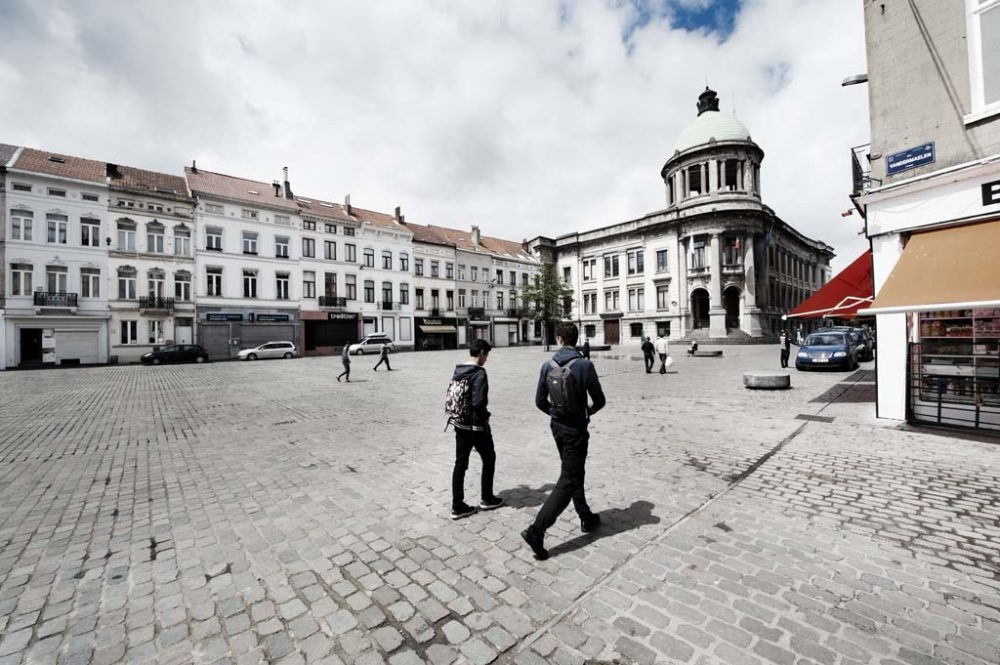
[
  {"x": 826, "y": 339},
  {"x": 168, "y": 349}
]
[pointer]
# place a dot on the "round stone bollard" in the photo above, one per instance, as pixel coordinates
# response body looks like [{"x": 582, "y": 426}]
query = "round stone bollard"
[{"x": 767, "y": 380}]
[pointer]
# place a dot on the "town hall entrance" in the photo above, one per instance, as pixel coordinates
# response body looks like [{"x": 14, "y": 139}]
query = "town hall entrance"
[{"x": 699, "y": 308}]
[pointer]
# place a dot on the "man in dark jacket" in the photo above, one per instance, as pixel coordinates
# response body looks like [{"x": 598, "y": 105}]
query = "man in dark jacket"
[
  {"x": 647, "y": 354},
  {"x": 383, "y": 358},
  {"x": 474, "y": 434},
  {"x": 569, "y": 430}
]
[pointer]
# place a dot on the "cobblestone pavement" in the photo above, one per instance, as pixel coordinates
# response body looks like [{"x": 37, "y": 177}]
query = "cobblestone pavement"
[{"x": 262, "y": 512}]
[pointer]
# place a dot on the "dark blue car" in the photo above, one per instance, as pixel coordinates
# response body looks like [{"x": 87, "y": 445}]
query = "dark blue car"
[{"x": 827, "y": 349}]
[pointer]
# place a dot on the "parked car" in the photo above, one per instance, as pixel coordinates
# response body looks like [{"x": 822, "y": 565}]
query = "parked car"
[
  {"x": 269, "y": 350},
  {"x": 175, "y": 353},
  {"x": 827, "y": 349},
  {"x": 371, "y": 344},
  {"x": 863, "y": 343}
]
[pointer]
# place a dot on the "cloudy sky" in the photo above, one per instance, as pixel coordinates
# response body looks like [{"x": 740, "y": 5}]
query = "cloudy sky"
[{"x": 526, "y": 117}]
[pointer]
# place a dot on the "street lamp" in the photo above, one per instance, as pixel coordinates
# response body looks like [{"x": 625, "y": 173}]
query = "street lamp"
[{"x": 855, "y": 80}]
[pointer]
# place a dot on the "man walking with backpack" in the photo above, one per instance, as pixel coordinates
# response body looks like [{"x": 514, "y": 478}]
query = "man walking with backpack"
[
  {"x": 563, "y": 387},
  {"x": 466, "y": 402}
]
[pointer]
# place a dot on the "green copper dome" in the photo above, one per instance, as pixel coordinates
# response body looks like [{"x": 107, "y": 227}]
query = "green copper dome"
[{"x": 710, "y": 124}]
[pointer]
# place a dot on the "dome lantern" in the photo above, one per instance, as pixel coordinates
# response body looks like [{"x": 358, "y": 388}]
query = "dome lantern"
[{"x": 708, "y": 101}]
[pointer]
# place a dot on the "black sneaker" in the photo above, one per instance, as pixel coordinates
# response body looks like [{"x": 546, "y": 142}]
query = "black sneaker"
[
  {"x": 492, "y": 504},
  {"x": 588, "y": 524},
  {"x": 535, "y": 542},
  {"x": 462, "y": 511}
]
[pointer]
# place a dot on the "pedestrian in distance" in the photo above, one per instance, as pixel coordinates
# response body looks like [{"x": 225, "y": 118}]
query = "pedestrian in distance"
[
  {"x": 563, "y": 387},
  {"x": 466, "y": 405},
  {"x": 785, "y": 344},
  {"x": 383, "y": 358},
  {"x": 586, "y": 349},
  {"x": 345, "y": 357},
  {"x": 663, "y": 350},
  {"x": 647, "y": 354}
]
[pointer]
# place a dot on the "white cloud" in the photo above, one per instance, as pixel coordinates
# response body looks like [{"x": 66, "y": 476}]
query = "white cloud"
[{"x": 524, "y": 117}]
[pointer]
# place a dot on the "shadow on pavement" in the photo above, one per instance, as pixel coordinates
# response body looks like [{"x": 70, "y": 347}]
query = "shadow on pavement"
[
  {"x": 613, "y": 522},
  {"x": 523, "y": 496}
]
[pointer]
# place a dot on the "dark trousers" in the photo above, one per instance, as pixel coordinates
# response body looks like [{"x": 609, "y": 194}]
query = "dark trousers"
[
  {"x": 385, "y": 360},
  {"x": 784, "y": 357},
  {"x": 573, "y": 453},
  {"x": 648, "y": 358},
  {"x": 347, "y": 370},
  {"x": 465, "y": 442},
  {"x": 663, "y": 363}
]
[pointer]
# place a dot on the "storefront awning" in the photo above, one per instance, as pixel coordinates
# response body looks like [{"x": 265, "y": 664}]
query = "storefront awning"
[
  {"x": 842, "y": 296},
  {"x": 438, "y": 329},
  {"x": 953, "y": 268}
]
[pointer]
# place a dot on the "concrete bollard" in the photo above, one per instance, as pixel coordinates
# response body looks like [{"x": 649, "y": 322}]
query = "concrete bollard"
[{"x": 767, "y": 380}]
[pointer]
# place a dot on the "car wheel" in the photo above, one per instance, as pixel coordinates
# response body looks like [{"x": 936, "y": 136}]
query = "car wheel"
[
  {"x": 288, "y": 354},
  {"x": 156, "y": 361},
  {"x": 199, "y": 359},
  {"x": 359, "y": 352},
  {"x": 252, "y": 356}
]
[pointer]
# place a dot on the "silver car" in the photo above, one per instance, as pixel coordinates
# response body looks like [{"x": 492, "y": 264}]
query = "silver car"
[
  {"x": 269, "y": 350},
  {"x": 371, "y": 344}
]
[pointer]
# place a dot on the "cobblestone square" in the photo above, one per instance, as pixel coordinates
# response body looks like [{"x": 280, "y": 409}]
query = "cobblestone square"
[{"x": 261, "y": 512}]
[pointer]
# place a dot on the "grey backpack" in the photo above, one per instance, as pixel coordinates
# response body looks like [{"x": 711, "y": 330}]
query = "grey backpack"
[{"x": 564, "y": 394}]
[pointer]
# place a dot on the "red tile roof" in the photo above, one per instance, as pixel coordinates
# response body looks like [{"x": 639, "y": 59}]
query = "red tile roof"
[
  {"x": 324, "y": 209},
  {"x": 139, "y": 181},
  {"x": 6, "y": 152},
  {"x": 64, "y": 166},
  {"x": 237, "y": 189},
  {"x": 378, "y": 219},
  {"x": 428, "y": 234}
]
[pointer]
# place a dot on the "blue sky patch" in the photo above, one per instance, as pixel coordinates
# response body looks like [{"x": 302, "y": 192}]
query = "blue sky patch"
[{"x": 711, "y": 17}]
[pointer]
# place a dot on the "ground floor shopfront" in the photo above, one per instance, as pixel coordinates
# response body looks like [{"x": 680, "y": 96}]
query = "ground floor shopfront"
[
  {"x": 223, "y": 331},
  {"x": 937, "y": 298},
  {"x": 325, "y": 333},
  {"x": 48, "y": 340},
  {"x": 435, "y": 333}
]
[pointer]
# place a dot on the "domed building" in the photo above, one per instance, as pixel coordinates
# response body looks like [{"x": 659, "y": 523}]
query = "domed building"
[{"x": 714, "y": 263}]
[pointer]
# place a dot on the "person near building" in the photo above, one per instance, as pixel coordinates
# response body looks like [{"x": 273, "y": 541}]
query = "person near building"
[
  {"x": 345, "y": 357},
  {"x": 472, "y": 432},
  {"x": 586, "y": 349},
  {"x": 663, "y": 350},
  {"x": 799, "y": 335},
  {"x": 785, "y": 344},
  {"x": 563, "y": 387},
  {"x": 647, "y": 354},
  {"x": 383, "y": 358}
]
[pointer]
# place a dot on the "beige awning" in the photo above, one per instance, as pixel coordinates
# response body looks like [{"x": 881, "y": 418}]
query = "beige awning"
[
  {"x": 438, "y": 329},
  {"x": 952, "y": 268}
]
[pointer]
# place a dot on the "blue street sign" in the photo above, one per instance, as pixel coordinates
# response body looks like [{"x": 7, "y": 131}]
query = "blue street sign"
[{"x": 910, "y": 159}]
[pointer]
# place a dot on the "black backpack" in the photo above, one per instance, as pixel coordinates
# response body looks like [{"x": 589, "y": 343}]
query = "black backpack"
[
  {"x": 458, "y": 403},
  {"x": 564, "y": 394}
]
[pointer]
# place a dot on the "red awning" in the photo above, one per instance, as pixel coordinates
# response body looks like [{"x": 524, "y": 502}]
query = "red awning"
[{"x": 841, "y": 297}]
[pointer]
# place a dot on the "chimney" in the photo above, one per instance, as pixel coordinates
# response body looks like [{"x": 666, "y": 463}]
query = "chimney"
[
  {"x": 347, "y": 204},
  {"x": 277, "y": 188},
  {"x": 288, "y": 186},
  {"x": 400, "y": 218},
  {"x": 194, "y": 166},
  {"x": 475, "y": 235}
]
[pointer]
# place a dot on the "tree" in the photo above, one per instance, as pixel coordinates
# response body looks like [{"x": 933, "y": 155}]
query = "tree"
[{"x": 552, "y": 298}]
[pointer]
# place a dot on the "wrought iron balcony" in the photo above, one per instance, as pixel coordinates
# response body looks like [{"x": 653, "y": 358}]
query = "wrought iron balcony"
[
  {"x": 732, "y": 268},
  {"x": 332, "y": 301},
  {"x": 54, "y": 299},
  {"x": 435, "y": 311},
  {"x": 861, "y": 169},
  {"x": 388, "y": 305},
  {"x": 477, "y": 313},
  {"x": 156, "y": 302}
]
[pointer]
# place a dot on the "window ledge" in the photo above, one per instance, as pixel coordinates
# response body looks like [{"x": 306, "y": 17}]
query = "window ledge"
[{"x": 989, "y": 112}]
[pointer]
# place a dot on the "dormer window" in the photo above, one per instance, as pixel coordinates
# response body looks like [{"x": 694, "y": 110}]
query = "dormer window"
[{"x": 57, "y": 160}]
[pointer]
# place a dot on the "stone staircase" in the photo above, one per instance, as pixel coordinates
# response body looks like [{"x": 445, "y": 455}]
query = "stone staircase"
[{"x": 702, "y": 336}]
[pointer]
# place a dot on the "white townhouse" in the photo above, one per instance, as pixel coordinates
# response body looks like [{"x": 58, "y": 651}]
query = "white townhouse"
[
  {"x": 55, "y": 260},
  {"x": 151, "y": 261},
  {"x": 382, "y": 253},
  {"x": 434, "y": 286},
  {"x": 248, "y": 245}
]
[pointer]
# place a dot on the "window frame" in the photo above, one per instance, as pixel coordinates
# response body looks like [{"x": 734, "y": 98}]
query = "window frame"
[
  {"x": 980, "y": 108},
  {"x": 22, "y": 279},
  {"x": 308, "y": 248},
  {"x": 57, "y": 230},
  {"x": 213, "y": 278},
  {"x": 330, "y": 250},
  {"x": 26, "y": 227},
  {"x": 128, "y": 288}
]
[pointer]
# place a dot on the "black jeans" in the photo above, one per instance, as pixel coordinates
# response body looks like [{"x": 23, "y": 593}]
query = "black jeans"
[
  {"x": 347, "y": 370},
  {"x": 465, "y": 441},
  {"x": 384, "y": 360},
  {"x": 784, "y": 357},
  {"x": 648, "y": 358},
  {"x": 572, "y": 447},
  {"x": 663, "y": 363}
]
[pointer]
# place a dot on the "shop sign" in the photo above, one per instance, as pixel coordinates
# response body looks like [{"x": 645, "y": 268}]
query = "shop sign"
[
  {"x": 432, "y": 322},
  {"x": 223, "y": 316},
  {"x": 910, "y": 158},
  {"x": 341, "y": 316},
  {"x": 272, "y": 317},
  {"x": 991, "y": 193},
  {"x": 48, "y": 342}
]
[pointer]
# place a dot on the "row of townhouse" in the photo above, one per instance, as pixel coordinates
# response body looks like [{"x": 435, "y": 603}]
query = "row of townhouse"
[{"x": 103, "y": 262}]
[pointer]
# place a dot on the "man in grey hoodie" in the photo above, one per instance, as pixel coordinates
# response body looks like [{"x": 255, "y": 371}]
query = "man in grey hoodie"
[
  {"x": 569, "y": 429},
  {"x": 474, "y": 434}
]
